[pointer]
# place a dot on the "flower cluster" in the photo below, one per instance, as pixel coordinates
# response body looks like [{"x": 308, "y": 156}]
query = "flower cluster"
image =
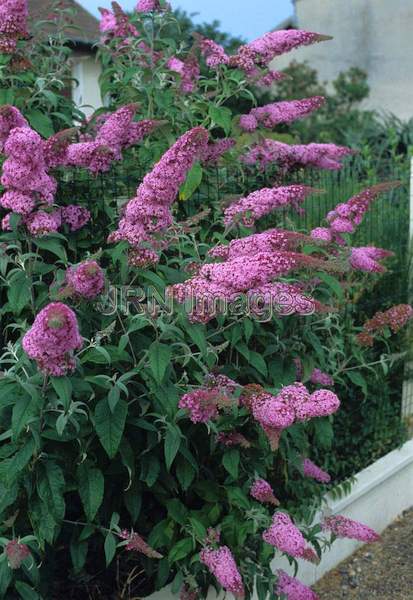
[
  {"x": 13, "y": 24},
  {"x": 395, "y": 318},
  {"x": 10, "y": 118},
  {"x": 16, "y": 553},
  {"x": 314, "y": 472},
  {"x": 292, "y": 589},
  {"x": 86, "y": 280},
  {"x": 25, "y": 169},
  {"x": 115, "y": 133},
  {"x": 55, "y": 148},
  {"x": 318, "y": 377},
  {"x": 52, "y": 339},
  {"x": 366, "y": 258},
  {"x": 270, "y": 115},
  {"x": 287, "y": 157},
  {"x": 348, "y": 215},
  {"x": 268, "y": 241},
  {"x": 287, "y": 538},
  {"x": 188, "y": 70},
  {"x": 293, "y": 403},
  {"x": 222, "y": 565},
  {"x": 74, "y": 216},
  {"x": 283, "y": 299},
  {"x": 262, "y": 491},
  {"x": 258, "y": 54},
  {"x": 149, "y": 213},
  {"x": 148, "y": 6},
  {"x": 264, "y": 201},
  {"x": 343, "y": 527},
  {"x": 29, "y": 187},
  {"x": 248, "y": 278},
  {"x": 204, "y": 403},
  {"x": 215, "y": 150},
  {"x": 42, "y": 223},
  {"x": 213, "y": 53},
  {"x": 136, "y": 543},
  {"x": 116, "y": 24}
]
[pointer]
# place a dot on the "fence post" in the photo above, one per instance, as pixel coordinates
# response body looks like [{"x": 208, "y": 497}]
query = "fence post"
[{"x": 407, "y": 394}]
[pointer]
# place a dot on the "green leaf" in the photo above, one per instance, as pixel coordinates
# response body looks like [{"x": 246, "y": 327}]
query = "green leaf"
[
  {"x": 78, "y": 553},
  {"x": 19, "y": 292},
  {"x": 192, "y": 182},
  {"x": 230, "y": 461},
  {"x": 6, "y": 576},
  {"x": 172, "y": 444},
  {"x": 177, "y": 582},
  {"x": 110, "y": 426},
  {"x": 26, "y": 592},
  {"x": 110, "y": 548},
  {"x": 199, "y": 529},
  {"x": 8, "y": 496},
  {"x": 176, "y": 510},
  {"x": 258, "y": 362},
  {"x": 43, "y": 523},
  {"x": 24, "y": 410},
  {"x": 150, "y": 469},
  {"x": 185, "y": 473},
  {"x": 50, "y": 487},
  {"x": 159, "y": 359},
  {"x": 221, "y": 116},
  {"x": 332, "y": 283},
  {"x": 113, "y": 397},
  {"x": 52, "y": 246},
  {"x": 358, "y": 379},
  {"x": 40, "y": 122},
  {"x": 197, "y": 334},
  {"x": 180, "y": 550},
  {"x": 162, "y": 575},
  {"x": 63, "y": 388},
  {"x": 236, "y": 496},
  {"x": 11, "y": 468},
  {"x": 324, "y": 433},
  {"x": 133, "y": 500},
  {"x": 91, "y": 488}
]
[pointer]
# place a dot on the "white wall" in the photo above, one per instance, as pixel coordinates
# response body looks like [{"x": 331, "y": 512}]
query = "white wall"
[
  {"x": 375, "y": 35},
  {"x": 86, "y": 93}
]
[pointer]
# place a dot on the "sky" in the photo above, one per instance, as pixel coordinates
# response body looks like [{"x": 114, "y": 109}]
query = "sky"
[{"x": 239, "y": 17}]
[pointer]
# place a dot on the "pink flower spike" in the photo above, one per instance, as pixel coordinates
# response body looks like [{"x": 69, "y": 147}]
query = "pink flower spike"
[
  {"x": 287, "y": 538},
  {"x": 283, "y": 112},
  {"x": 137, "y": 544},
  {"x": 367, "y": 259},
  {"x": 52, "y": 339},
  {"x": 292, "y": 589},
  {"x": 343, "y": 527},
  {"x": 222, "y": 565},
  {"x": 320, "y": 378},
  {"x": 314, "y": 472},
  {"x": 16, "y": 553},
  {"x": 262, "y": 491},
  {"x": 148, "y": 6},
  {"x": 86, "y": 279},
  {"x": 322, "y": 234}
]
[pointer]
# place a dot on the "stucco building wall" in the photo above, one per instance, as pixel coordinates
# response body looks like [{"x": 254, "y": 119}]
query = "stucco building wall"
[
  {"x": 375, "y": 35},
  {"x": 86, "y": 71}
]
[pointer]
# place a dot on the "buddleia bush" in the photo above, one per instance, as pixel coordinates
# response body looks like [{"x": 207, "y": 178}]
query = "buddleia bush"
[{"x": 164, "y": 388}]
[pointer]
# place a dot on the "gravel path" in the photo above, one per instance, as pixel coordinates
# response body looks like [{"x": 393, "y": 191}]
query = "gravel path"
[{"x": 383, "y": 570}]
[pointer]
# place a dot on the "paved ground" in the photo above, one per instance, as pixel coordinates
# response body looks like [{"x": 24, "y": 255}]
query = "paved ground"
[{"x": 383, "y": 570}]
